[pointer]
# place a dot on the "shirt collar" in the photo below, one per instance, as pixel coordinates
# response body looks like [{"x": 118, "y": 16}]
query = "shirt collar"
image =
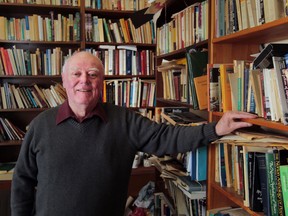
[{"x": 66, "y": 112}]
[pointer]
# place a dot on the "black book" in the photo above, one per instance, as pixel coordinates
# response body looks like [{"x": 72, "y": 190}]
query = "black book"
[
  {"x": 262, "y": 169},
  {"x": 264, "y": 59},
  {"x": 256, "y": 192}
]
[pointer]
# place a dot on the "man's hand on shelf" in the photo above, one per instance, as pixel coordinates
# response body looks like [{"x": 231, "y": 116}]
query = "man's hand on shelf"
[{"x": 231, "y": 121}]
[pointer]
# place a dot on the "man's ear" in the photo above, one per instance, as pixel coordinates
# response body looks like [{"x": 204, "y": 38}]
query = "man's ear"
[{"x": 63, "y": 81}]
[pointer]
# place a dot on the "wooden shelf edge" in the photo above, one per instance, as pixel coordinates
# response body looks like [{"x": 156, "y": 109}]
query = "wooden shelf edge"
[
  {"x": 128, "y": 76},
  {"x": 53, "y": 43},
  {"x": 260, "y": 122},
  {"x": 180, "y": 53},
  {"x": 253, "y": 33},
  {"x": 11, "y": 143},
  {"x": 30, "y": 77},
  {"x": 95, "y": 10},
  {"x": 150, "y": 45},
  {"x": 174, "y": 102},
  {"x": 51, "y": 6},
  {"x": 234, "y": 197}
]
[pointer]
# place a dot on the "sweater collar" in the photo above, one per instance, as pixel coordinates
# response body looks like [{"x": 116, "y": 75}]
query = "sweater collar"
[{"x": 66, "y": 112}]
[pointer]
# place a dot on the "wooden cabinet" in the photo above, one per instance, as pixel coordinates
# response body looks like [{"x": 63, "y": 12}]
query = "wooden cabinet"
[{"x": 239, "y": 45}]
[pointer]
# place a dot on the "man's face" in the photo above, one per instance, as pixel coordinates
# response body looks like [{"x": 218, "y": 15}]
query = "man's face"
[{"x": 83, "y": 80}]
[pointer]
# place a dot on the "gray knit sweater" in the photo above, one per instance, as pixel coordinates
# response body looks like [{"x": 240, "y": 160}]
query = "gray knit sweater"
[{"x": 83, "y": 169}]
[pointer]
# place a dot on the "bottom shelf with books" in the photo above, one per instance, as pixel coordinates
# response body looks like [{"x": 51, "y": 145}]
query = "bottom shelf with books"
[{"x": 245, "y": 168}]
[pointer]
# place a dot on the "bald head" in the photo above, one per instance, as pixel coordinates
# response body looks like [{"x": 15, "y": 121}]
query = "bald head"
[{"x": 83, "y": 55}]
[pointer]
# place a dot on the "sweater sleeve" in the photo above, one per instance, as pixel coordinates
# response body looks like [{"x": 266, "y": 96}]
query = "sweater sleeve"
[
  {"x": 24, "y": 178},
  {"x": 162, "y": 139}
]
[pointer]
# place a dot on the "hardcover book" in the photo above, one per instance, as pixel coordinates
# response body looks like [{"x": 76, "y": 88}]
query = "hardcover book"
[{"x": 197, "y": 66}]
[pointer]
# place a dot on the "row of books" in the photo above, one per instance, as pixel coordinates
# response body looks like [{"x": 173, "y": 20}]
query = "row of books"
[
  {"x": 99, "y": 29},
  {"x": 186, "y": 28},
  {"x": 24, "y": 62},
  {"x": 233, "y": 16},
  {"x": 45, "y": 2},
  {"x": 125, "y": 60},
  {"x": 245, "y": 88},
  {"x": 185, "y": 80},
  {"x": 24, "y": 97},
  {"x": 41, "y": 28},
  {"x": 256, "y": 168},
  {"x": 130, "y": 92},
  {"x": 147, "y": 112},
  {"x": 239, "y": 86},
  {"x": 174, "y": 76},
  {"x": 121, "y": 5},
  {"x": 8, "y": 131}
]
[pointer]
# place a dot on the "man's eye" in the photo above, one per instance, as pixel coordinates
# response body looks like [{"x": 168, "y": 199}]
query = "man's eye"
[
  {"x": 93, "y": 75},
  {"x": 77, "y": 74}
]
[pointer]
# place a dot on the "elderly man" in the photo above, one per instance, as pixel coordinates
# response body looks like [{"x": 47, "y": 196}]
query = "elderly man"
[{"x": 76, "y": 158}]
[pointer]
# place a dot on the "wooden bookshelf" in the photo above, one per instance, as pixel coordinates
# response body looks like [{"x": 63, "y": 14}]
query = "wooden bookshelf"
[
  {"x": 9, "y": 150},
  {"x": 224, "y": 49}
]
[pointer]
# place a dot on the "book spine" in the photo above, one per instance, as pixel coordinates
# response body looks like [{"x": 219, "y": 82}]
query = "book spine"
[
  {"x": 262, "y": 168},
  {"x": 272, "y": 183},
  {"x": 284, "y": 184},
  {"x": 278, "y": 182}
]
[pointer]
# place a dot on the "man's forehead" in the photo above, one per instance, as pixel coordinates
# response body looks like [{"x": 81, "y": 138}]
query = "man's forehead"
[{"x": 76, "y": 68}]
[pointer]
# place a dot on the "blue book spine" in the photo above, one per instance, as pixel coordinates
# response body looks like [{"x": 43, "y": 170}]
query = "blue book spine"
[
  {"x": 201, "y": 160},
  {"x": 128, "y": 62},
  {"x": 99, "y": 6},
  {"x": 222, "y": 169}
]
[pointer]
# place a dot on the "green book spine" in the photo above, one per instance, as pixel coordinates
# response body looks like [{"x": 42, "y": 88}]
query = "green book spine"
[
  {"x": 284, "y": 184},
  {"x": 278, "y": 182},
  {"x": 272, "y": 183}
]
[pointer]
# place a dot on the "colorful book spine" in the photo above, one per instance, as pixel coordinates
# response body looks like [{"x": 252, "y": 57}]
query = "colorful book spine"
[{"x": 284, "y": 184}]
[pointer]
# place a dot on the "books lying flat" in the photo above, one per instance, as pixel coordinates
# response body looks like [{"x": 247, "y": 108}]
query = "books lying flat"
[
  {"x": 183, "y": 118},
  {"x": 191, "y": 186}
]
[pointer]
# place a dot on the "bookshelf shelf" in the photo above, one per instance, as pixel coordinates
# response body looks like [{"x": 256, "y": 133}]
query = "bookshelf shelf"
[
  {"x": 277, "y": 30},
  {"x": 129, "y": 76},
  {"x": 173, "y": 102},
  {"x": 11, "y": 143},
  {"x": 139, "y": 45},
  {"x": 180, "y": 53},
  {"x": 71, "y": 44},
  {"x": 31, "y": 77},
  {"x": 240, "y": 45},
  {"x": 261, "y": 122},
  {"x": 234, "y": 197},
  {"x": 115, "y": 14},
  {"x": 17, "y": 8}
]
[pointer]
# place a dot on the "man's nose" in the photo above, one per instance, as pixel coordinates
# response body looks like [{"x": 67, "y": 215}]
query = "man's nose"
[{"x": 84, "y": 77}]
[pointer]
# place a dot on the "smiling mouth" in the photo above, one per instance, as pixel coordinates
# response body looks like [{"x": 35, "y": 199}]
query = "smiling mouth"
[{"x": 83, "y": 90}]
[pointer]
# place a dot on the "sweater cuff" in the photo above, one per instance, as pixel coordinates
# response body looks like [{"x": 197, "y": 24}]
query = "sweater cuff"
[{"x": 210, "y": 132}]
